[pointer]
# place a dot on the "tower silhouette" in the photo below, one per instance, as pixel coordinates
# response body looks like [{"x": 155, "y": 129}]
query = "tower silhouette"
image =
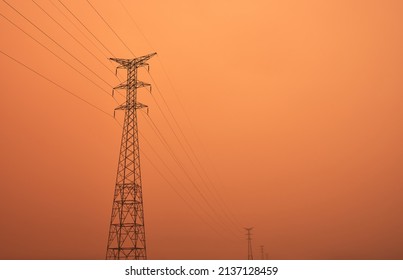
[
  {"x": 127, "y": 239},
  {"x": 250, "y": 255}
]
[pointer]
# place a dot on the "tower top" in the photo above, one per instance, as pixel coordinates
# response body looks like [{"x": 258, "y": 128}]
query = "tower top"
[{"x": 130, "y": 62}]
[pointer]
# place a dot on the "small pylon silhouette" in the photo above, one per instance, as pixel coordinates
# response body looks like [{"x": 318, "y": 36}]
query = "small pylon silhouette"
[{"x": 250, "y": 255}]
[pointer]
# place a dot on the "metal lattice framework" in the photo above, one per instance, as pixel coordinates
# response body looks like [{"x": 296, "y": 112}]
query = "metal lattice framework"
[
  {"x": 250, "y": 255},
  {"x": 127, "y": 238}
]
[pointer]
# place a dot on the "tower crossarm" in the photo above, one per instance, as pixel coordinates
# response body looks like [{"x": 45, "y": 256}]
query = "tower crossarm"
[
  {"x": 127, "y": 106},
  {"x": 138, "y": 84},
  {"x": 138, "y": 61}
]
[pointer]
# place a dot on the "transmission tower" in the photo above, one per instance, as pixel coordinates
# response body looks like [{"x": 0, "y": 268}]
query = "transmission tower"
[
  {"x": 127, "y": 239},
  {"x": 250, "y": 256}
]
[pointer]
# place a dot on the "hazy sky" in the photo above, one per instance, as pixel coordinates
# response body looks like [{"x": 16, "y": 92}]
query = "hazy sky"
[{"x": 295, "y": 109}]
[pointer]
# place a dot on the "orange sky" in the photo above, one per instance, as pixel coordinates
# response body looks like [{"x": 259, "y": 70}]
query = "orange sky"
[{"x": 298, "y": 105}]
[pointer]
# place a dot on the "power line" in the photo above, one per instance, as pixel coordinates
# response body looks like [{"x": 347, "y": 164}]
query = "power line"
[
  {"x": 56, "y": 84},
  {"x": 187, "y": 154},
  {"x": 85, "y": 35},
  {"x": 82, "y": 24},
  {"x": 72, "y": 36},
  {"x": 181, "y": 197},
  {"x": 177, "y": 180},
  {"x": 169, "y": 149},
  {"x": 195, "y": 133},
  {"x": 135, "y": 23},
  {"x": 82, "y": 33},
  {"x": 164, "y": 141},
  {"x": 198, "y": 138},
  {"x": 73, "y": 56},
  {"x": 42, "y": 45},
  {"x": 103, "y": 19}
]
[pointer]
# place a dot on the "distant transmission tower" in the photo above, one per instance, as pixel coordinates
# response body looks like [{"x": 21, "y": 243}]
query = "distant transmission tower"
[
  {"x": 127, "y": 239},
  {"x": 250, "y": 256}
]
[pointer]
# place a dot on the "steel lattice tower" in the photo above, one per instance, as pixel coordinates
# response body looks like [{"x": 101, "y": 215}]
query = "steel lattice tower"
[
  {"x": 250, "y": 255},
  {"x": 127, "y": 238}
]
